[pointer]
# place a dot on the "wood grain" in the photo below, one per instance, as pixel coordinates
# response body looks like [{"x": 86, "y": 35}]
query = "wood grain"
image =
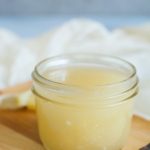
[
  {"x": 139, "y": 135},
  {"x": 24, "y": 122},
  {"x": 11, "y": 140}
]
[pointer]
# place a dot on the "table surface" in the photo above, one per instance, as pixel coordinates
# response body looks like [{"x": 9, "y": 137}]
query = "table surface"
[
  {"x": 30, "y": 26},
  {"x": 24, "y": 122}
]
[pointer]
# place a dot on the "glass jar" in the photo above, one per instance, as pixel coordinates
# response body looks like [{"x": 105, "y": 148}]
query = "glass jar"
[{"x": 84, "y": 101}]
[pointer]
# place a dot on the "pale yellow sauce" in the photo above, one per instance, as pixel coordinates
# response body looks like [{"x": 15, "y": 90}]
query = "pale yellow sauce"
[{"x": 66, "y": 127}]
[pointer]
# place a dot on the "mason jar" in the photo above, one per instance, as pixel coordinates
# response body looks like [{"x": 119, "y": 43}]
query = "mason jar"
[{"x": 84, "y": 101}]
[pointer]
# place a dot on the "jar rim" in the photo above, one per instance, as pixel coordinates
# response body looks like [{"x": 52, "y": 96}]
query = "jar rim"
[
  {"x": 41, "y": 79},
  {"x": 122, "y": 90}
]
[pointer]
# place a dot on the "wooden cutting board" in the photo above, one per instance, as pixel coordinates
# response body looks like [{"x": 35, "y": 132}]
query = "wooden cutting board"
[{"x": 18, "y": 131}]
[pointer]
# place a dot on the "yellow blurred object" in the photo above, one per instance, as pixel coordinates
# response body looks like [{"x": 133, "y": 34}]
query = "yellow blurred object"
[
  {"x": 18, "y": 96},
  {"x": 28, "y": 99},
  {"x": 31, "y": 102},
  {"x": 16, "y": 101}
]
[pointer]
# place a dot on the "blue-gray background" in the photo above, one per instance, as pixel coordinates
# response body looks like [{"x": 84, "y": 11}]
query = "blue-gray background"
[
  {"x": 32, "y": 17},
  {"x": 132, "y": 7}
]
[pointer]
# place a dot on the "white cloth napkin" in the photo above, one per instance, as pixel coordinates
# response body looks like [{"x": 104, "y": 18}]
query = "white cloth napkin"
[{"x": 18, "y": 56}]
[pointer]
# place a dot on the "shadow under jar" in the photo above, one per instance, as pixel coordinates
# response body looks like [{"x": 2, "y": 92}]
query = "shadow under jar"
[{"x": 84, "y": 101}]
